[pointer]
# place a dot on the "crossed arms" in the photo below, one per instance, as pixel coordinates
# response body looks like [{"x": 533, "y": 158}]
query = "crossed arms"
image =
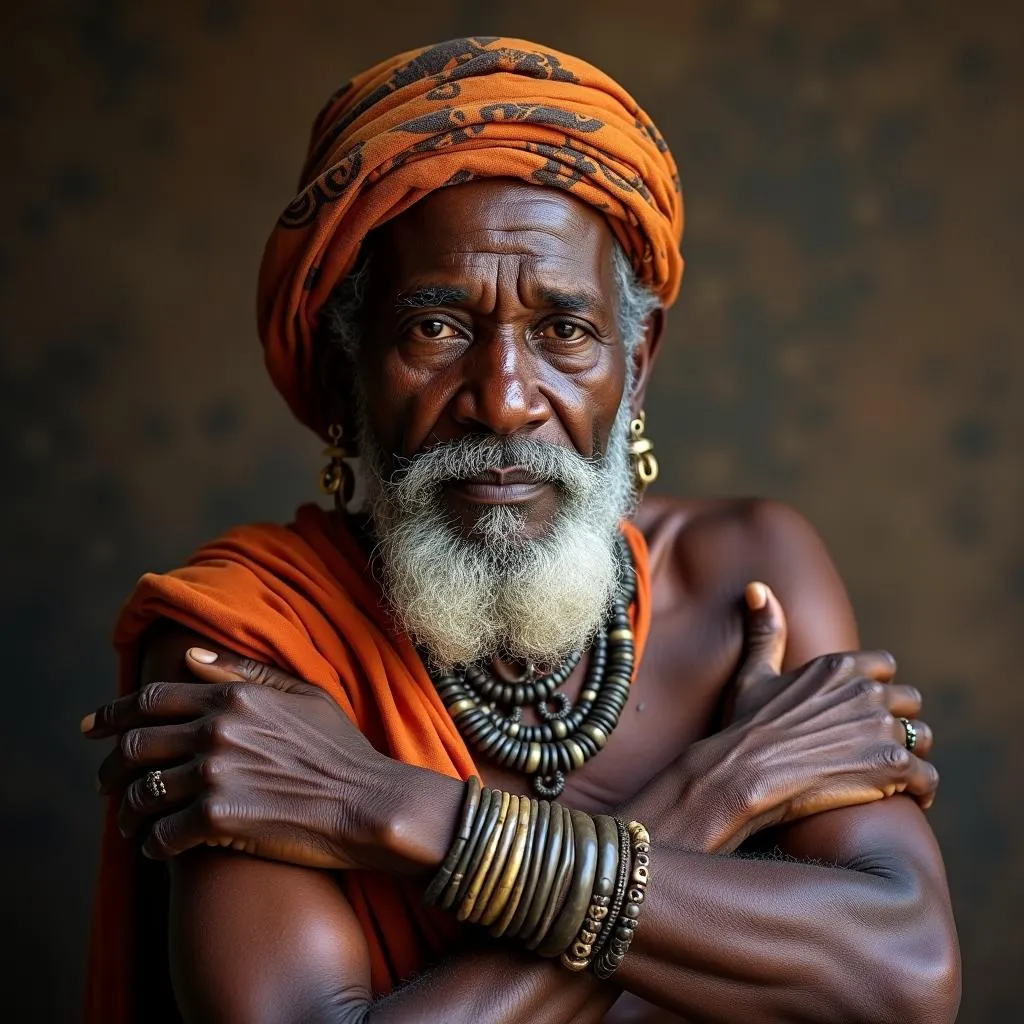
[{"x": 853, "y": 924}]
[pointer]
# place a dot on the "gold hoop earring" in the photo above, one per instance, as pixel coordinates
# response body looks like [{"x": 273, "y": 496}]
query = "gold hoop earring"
[
  {"x": 336, "y": 477},
  {"x": 641, "y": 454}
]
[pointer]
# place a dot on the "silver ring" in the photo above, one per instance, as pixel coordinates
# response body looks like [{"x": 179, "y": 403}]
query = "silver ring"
[
  {"x": 154, "y": 783},
  {"x": 911, "y": 739}
]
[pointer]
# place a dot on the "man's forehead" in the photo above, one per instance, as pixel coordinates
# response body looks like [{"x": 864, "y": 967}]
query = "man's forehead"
[{"x": 475, "y": 226}]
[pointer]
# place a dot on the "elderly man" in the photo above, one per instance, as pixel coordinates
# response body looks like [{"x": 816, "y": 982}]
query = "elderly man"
[{"x": 694, "y": 807}]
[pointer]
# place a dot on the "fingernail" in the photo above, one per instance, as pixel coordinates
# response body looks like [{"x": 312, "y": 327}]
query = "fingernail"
[
  {"x": 87, "y": 723},
  {"x": 756, "y": 595},
  {"x": 202, "y": 655}
]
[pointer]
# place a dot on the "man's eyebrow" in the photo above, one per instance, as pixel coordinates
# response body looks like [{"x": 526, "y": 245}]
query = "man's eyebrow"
[
  {"x": 431, "y": 295},
  {"x": 571, "y": 302}
]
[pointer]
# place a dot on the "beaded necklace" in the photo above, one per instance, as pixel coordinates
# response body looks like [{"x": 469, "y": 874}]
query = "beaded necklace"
[{"x": 488, "y": 711}]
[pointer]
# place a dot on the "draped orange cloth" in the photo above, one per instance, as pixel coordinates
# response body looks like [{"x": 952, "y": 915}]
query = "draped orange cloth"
[
  {"x": 301, "y": 597},
  {"x": 480, "y": 107}
]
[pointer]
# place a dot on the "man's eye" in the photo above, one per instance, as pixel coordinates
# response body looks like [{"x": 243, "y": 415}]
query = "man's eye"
[
  {"x": 434, "y": 330},
  {"x": 564, "y": 330}
]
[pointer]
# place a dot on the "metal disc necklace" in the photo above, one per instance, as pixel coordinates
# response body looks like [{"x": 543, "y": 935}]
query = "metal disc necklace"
[{"x": 488, "y": 711}]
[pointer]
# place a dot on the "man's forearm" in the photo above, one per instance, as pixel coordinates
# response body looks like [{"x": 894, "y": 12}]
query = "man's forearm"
[
  {"x": 730, "y": 938},
  {"x": 498, "y": 983},
  {"x": 779, "y": 940}
]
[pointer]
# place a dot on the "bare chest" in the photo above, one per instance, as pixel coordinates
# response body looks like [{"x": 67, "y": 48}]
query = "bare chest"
[{"x": 673, "y": 702}]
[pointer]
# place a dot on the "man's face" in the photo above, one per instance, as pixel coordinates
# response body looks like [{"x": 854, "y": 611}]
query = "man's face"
[
  {"x": 492, "y": 421},
  {"x": 492, "y": 311}
]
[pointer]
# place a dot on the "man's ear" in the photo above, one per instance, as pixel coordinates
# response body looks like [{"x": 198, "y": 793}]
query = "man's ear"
[
  {"x": 643, "y": 357},
  {"x": 335, "y": 373}
]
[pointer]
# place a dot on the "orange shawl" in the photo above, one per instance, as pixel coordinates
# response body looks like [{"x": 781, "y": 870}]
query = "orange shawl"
[
  {"x": 481, "y": 107},
  {"x": 301, "y": 598}
]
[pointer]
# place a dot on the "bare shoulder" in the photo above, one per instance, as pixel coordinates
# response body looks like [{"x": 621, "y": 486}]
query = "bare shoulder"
[
  {"x": 707, "y": 550},
  {"x": 718, "y": 537}
]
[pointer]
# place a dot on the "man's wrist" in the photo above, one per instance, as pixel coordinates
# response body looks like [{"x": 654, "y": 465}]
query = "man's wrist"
[
  {"x": 418, "y": 821},
  {"x": 692, "y": 800}
]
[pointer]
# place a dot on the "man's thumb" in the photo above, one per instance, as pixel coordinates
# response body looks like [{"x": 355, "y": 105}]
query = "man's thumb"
[
  {"x": 764, "y": 635},
  {"x": 227, "y": 667}
]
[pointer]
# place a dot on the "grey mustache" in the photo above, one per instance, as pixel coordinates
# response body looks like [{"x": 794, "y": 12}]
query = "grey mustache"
[{"x": 470, "y": 456}]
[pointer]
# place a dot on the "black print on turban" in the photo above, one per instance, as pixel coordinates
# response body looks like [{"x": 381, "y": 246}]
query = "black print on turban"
[
  {"x": 331, "y": 185},
  {"x": 431, "y": 63},
  {"x": 565, "y": 167},
  {"x": 445, "y": 119},
  {"x": 538, "y": 113},
  {"x": 445, "y": 92},
  {"x": 443, "y": 128}
]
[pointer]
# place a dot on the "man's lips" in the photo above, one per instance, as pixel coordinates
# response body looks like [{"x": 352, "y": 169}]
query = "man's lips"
[{"x": 500, "y": 486}]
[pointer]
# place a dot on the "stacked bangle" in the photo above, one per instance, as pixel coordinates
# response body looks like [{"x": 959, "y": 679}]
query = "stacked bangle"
[
  {"x": 625, "y": 926},
  {"x": 565, "y": 883},
  {"x": 443, "y": 876},
  {"x": 579, "y": 955}
]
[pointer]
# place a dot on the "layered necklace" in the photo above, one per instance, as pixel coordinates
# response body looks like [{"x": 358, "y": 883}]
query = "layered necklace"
[{"x": 488, "y": 711}]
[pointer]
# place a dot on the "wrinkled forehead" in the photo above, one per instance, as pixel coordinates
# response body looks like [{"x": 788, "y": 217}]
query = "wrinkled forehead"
[{"x": 555, "y": 238}]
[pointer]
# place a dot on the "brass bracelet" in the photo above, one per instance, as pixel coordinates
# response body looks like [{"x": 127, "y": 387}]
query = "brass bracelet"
[
  {"x": 560, "y": 885},
  {"x": 535, "y": 855},
  {"x": 625, "y": 927},
  {"x": 513, "y": 868},
  {"x": 570, "y": 918},
  {"x": 479, "y": 872},
  {"x": 458, "y": 881},
  {"x": 551, "y": 852},
  {"x": 504, "y": 844},
  {"x": 447, "y": 869},
  {"x": 580, "y": 954}
]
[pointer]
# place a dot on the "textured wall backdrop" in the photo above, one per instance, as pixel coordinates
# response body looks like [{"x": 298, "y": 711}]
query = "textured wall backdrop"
[{"x": 848, "y": 340}]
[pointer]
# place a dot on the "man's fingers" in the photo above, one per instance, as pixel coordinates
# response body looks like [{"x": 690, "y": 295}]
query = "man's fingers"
[
  {"x": 923, "y": 781},
  {"x": 903, "y": 701},
  {"x": 209, "y": 821},
  {"x": 765, "y": 635},
  {"x": 178, "y": 832},
  {"x": 878, "y": 665},
  {"x": 925, "y": 738},
  {"x": 157, "y": 702},
  {"x": 227, "y": 667},
  {"x": 181, "y": 783},
  {"x": 138, "y": 749}
]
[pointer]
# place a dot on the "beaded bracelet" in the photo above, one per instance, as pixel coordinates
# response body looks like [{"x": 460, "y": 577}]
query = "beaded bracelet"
[
  {"x": 618, "y": 893},
  {"x": 625, "y": 926}
]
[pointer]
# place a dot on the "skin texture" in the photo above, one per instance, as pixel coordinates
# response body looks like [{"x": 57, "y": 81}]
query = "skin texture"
[{"x": 750, "y": 731}]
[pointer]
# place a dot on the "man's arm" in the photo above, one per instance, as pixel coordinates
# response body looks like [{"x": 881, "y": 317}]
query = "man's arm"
[
  {"x": 260, "y": 942},
  {"x": 720, "y": 937},
  {"x": 254, "y": 940},
  {"x": 869, "y": 920}
]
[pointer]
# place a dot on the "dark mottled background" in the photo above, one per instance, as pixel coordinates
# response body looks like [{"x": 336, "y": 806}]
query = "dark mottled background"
[{"x": 848, "y": 339}]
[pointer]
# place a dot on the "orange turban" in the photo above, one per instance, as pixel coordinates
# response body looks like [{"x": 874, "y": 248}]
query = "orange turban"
[{"x": 480, "y": 107}]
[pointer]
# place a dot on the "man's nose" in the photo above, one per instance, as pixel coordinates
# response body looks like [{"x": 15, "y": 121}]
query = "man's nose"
[{"x": 500, "y": 393}]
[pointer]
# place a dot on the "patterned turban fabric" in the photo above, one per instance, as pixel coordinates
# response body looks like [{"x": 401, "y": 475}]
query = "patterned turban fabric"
[{"x": 481, "y": 107}]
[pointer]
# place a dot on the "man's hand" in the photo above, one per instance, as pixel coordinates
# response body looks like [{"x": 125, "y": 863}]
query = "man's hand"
[
  {"x": 821, "y": 737},
  {"x": 257, "y": 761}
]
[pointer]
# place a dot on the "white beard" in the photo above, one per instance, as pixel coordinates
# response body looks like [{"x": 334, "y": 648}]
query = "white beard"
[{"x": 497, "y": 592}]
